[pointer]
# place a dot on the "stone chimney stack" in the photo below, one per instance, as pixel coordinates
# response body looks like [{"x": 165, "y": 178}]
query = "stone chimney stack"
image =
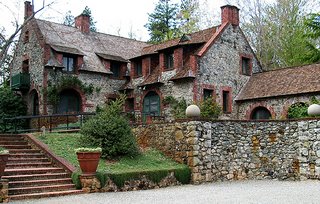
[
  {"x": 28, "y": 9},
  {"x": 230, "y": 14},
  {"x": 82, "y": 22}
]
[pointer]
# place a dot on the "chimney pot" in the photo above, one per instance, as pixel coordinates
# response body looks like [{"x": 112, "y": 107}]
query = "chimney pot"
[
  {"x": 230, "y": 14},
  {"x": 28, "y": 9},
  {"x": 82, "y": 22}
]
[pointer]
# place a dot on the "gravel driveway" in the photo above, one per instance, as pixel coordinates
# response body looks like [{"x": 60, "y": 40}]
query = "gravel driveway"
[{"x": 226, "y": 192}]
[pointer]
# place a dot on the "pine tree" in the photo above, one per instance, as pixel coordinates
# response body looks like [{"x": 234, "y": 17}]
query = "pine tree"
[
  {"x": 68, "y": 19},
  {"x": 162, "y": 23},
  {"x": 87, "y": 11},
  {"x": 189, "y": 16}
]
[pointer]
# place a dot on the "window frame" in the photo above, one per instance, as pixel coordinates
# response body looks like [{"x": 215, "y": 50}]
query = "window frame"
[
  {"x": 169, "y": 60},
  {"x": 226, "y": 100},
  {"x": 115, "y": 65},
  {"x": 210, "y": 95},
  {"x": 246, "y": 60},
  {"x": 138, "y": 68},
  {"x": 67, "y": 68}
]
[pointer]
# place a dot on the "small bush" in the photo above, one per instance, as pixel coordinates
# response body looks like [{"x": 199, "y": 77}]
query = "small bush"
[
  {"x": 210, "y": 109},
  {"x": 298, "y": 110},
  {"x": 75, "y": 176},
  {"x": 183, "y": 175},
  {"x": 102, "y": 177},
  {"x": 110, "y": 131},
  {"x": 11, "y": 105}
]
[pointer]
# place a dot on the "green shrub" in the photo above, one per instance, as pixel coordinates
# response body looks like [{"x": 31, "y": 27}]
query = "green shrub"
[
  {"x": 183, "y": 175},
  {"x": 110, "y": 131},
  {"x": 178, "y": 108},
  {"x": 210, "y": 109},
  {"x": 11, "y": 105},
  {"x": 102, "y": 177},
  {"x": 75, "y": 176},
  {"x": 298, "y": 110}
]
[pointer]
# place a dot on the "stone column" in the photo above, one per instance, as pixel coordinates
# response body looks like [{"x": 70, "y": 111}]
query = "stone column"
[{"x": 90, "y": 184}]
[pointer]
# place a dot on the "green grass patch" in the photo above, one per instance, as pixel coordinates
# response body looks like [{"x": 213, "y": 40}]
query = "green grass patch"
[{"x": 151, "y": 163}]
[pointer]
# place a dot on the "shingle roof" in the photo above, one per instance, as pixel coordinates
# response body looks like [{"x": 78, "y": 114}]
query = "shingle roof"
[
  {"x": 282, "y": 82},
  {"x": 195, "y": 38},
  {"x": 66, "y": 38}
]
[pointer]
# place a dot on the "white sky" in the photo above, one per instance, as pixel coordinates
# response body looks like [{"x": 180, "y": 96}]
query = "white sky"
[{"x": 112, "y": 16}]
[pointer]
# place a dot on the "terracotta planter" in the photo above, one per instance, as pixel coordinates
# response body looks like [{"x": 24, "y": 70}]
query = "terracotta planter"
[
  {"x": 3, "y": 163},
  {"x": 88, "y": 162}
]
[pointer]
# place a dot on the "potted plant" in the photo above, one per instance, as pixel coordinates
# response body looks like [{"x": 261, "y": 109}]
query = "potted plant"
[
  {"x": 88, "y": 159},
  {"x": 4, "y": 155}
]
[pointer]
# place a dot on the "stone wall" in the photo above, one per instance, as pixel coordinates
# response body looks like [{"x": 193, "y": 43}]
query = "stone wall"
[{"x": 236, "y": 150}]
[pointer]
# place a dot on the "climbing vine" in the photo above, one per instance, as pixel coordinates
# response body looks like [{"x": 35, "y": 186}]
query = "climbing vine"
[
  {"x": 300, "y": 110},
  {"x": 178, "y": 106},
  {"x": 66, "y": 82}
]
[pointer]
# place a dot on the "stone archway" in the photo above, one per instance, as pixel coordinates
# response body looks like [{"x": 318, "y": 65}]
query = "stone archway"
[
  {"x": 260, "y": 113},
  {"x": 69, "y": 101}
]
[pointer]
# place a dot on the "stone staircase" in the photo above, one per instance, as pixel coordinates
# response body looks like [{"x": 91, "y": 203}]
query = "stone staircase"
[{"x": 31, "y": 173}]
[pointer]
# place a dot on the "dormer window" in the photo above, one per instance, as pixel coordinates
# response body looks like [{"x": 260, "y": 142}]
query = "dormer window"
[
  {"x": 115, "y": 68},
  {"x": 68, "y": 63},
  {"x": 138, "y": 68},
  {"x": 169, "y": 60}
]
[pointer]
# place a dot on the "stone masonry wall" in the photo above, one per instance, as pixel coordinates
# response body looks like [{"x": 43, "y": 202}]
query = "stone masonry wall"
[{"x": 236, "y": 150}]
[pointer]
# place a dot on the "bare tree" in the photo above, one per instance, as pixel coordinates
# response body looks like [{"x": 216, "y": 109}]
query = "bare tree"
[{"x": 6, "y": 42}]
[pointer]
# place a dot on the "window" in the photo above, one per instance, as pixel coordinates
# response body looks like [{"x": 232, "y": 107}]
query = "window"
[
  {"x": 25, "y": 66},
  {"x": 138, "y": 68},
  {"x": 226, "y": 101},
  {"x": 69, "y": 102},
  {"x": 246, "y": 66},
  {"x": 260, "y": 113},
  {"x": 130, "y": 104},
  {"x": 115, "y": 69},
  {"x": 169, "y": 60},
  {"x": 207, "y": 93},
  {"x": 68, "y": 63},
  {"x": 26, "y": 37}
]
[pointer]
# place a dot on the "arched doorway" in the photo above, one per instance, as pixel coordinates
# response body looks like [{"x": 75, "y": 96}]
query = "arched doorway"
[
  {"x": 70, "y": 101},
  {"x": 151, "y": 104},
  {"x": 34, "y": 103},
  {"x": 260, "y": 113}
]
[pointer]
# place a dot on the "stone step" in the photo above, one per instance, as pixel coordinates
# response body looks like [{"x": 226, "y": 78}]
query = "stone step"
[
  {"x": 8, "y": 172},
  {"x": 44, "y": 182},
  {"x": 43, "y": 176},
  {"x": 25, "y": 155},
  {"x": 18, "y": 142},
  {"x": 14, "y": 151},
  {"x": 9, "y": 147},
  {"x": 41, "y": 189},
  {"x": 27, "y": 160},
  {"x": 28, "y": 165},
  {"x": 43, "y": 195},
  {"x": 11, "y": 137}
]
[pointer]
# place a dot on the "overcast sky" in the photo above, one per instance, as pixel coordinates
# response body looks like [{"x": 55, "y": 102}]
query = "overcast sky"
[{"x": 112, "y": 16}]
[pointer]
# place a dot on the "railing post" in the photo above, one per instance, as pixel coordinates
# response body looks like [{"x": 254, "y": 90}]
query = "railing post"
[
  {"x": 67, "y": 122},
  {"x": 15, "y": 125},
  {"x": 50, "y": 126}
]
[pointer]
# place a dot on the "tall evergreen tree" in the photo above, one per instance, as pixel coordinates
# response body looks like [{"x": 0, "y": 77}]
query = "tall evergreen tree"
[
  {"x": 189, "y": 16},
  {"x": 313, "y": 23},
  {"x": 162, "y": 23},
  {"x": 87, "y": 11},
  {"x": 68, "y": 19}
]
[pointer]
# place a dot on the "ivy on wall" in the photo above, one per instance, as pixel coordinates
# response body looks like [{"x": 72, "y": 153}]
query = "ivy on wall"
[{"x": 53, "y": 90}]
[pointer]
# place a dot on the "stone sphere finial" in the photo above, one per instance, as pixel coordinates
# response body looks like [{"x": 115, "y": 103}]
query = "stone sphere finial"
[
  {"x": 193, "y": 111},
  {"x": 314, "y": 109}
]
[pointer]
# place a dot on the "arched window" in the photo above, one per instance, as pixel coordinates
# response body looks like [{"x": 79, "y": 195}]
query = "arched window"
[
  {"x": 260, "y": 113},
  {"x": 34, "y": 103},
  {"x": 151, "y": 104},
  {"x": 69, "y": 102}
]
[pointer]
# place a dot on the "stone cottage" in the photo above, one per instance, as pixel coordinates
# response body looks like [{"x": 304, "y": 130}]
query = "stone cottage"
[{"x": 59, "y": 69}]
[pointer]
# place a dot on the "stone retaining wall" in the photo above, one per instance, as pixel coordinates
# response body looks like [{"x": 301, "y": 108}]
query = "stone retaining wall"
[{"x": 235, "y": 150}]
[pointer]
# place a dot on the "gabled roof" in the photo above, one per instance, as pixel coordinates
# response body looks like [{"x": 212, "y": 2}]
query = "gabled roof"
[
  {"x": 194, "y": 38},
  {"x": 69, "y": 39},
  {"x": 282, "y": 82}
]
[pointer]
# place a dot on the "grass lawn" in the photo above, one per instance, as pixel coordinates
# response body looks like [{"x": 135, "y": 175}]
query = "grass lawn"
[{"x": 63, "y": 145}]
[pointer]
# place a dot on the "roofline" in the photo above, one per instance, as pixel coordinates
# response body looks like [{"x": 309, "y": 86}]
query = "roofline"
[
  {"x": 283, "y": 68},
  {"x": 212, "y": 40},
  {"x": 277, "y": 96}
]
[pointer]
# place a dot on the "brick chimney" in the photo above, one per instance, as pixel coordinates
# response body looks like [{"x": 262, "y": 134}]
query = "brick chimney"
[
  {"x": 82, "y": 22},
  {"x": 28, "y": 9},
  {"x": 230, "y": 14}
]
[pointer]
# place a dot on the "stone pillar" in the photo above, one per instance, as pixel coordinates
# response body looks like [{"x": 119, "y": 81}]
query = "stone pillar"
[
  {"x": 4, "y": 198},
  {"x": 90, "y": 184}
]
